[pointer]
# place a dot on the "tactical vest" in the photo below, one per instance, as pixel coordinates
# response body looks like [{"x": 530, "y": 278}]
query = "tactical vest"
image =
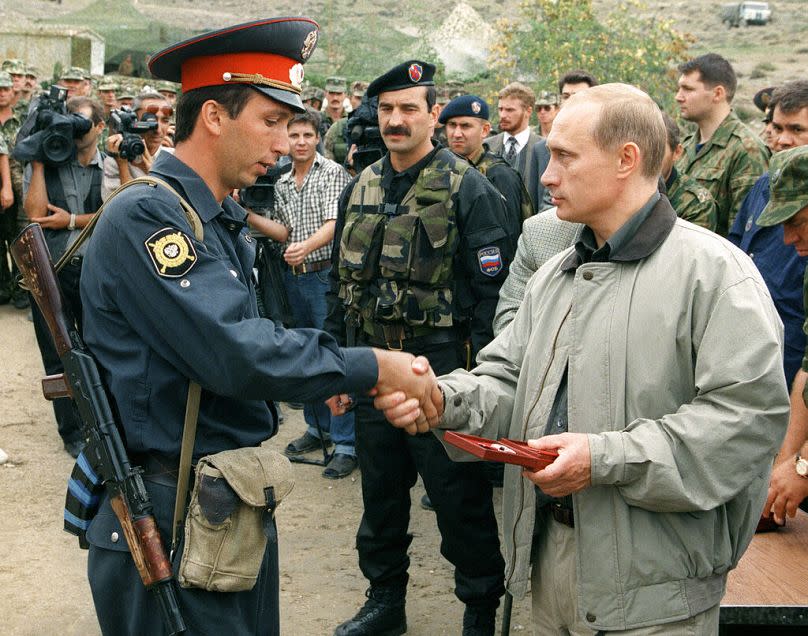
[{"x": 396, "y": 261}]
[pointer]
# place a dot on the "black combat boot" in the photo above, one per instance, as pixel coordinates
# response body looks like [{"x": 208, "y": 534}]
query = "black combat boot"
[
  {"x": 480, "y": 621},
  {"x": 381, "y": 615}
]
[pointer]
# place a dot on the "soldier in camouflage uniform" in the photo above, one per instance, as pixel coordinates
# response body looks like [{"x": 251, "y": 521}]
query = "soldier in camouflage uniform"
[
  {"x": 334, "y": 109},
  {"x": 12, "y": 217},
  {"x": 31, "y": 83},
  {"x": 420, "y": 252},
  {"x": 722, "y": 154},
  {"x": 126, "y": 95},
  {"x": 16, "y": 69},
  {"x": 466, "y": 122},
  {"x": 788, "y": 207},
  {"x": 335, "y": 144},
  {"x": 77, "y": 81},
  {"x": 546, "y": 109},
  {"x": 691, "y": 201}
]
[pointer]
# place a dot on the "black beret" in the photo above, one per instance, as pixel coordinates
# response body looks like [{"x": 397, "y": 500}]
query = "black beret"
[
  {"x": 406, "y": 75},
  {"x": 266, "y": 54},
  {"x": 464, "y": 106}
]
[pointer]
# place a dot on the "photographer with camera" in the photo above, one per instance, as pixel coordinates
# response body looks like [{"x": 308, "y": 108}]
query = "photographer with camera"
[
  {"x": 62, "y": 198},
  {"x": 138, "y": 139},
  {"x": 363, "y": 135}
]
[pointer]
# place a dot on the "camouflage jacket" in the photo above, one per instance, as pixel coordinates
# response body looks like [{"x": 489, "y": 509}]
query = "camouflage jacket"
[
  {"x": 334, "y": 143},
  {"x": 9, "y": 130},
  {"x": 692, "y": 201},
  {"x": 727, "y": 165}
]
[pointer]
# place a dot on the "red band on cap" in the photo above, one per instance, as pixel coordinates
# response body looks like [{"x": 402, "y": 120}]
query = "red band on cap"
[{"x": 209, "y": 70}]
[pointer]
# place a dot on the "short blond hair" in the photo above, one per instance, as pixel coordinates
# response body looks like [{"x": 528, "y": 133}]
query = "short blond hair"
[
  {"x": 627, "y": 115},
  {"x": 520, "y": 91}
]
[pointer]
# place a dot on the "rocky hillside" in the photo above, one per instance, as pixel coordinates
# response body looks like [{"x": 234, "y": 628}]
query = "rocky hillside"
[{"x": 361, "y": 37}]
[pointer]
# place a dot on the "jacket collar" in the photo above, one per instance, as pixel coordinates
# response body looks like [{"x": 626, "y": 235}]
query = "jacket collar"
[
  {"x": 637, "y": 238},
  {"x": 197, "y": 192}
]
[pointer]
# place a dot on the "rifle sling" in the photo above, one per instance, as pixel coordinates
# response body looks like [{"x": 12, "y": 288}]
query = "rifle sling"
[{"x": 194, "y": 390}]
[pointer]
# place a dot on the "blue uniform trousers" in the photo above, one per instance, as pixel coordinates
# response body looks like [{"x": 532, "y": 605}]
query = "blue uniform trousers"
[{"x": 125, "y": 608}]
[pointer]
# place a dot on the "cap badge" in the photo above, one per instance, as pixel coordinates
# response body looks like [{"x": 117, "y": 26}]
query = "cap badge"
[
  {"x": 296, "y": 73},
  {"x": 476, "y": 108},
  {"x": 308, "y": 45},
  {"x": 416, "y": 72}
]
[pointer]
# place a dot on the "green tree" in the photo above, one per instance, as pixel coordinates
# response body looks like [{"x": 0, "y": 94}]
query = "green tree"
[{"x": 551, "y": 37}]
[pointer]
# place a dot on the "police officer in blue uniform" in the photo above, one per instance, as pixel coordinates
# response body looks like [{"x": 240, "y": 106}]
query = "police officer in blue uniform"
[
  {"x": 421, "y": 248},
  {"x": 162, "y": 307}
]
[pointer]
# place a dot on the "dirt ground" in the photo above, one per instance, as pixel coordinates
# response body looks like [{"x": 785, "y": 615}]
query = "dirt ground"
[{"x": 42, "y": 570}]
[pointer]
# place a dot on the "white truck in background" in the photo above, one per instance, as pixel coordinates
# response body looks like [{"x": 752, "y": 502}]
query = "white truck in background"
[{"x": 745, "y": 13}]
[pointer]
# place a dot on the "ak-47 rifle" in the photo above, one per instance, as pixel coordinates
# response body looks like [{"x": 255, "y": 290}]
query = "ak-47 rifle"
[{"x": 81, "y": 381}]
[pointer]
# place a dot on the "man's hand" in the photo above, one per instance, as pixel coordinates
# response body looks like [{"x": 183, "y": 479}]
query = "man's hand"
[
  {"x": 340, "y": 404},
  {"x": 145, "y": 160},
  {"x": 296, "y": 252},
  {"x": 786, "y": 490},
  {"x": 407, "y": 391},
  {"x": 58, "y": 219},
  {"x": 571, "y": 472},
  {"x": 113, "y": 144},
  {"x": 6, "y": 198}
]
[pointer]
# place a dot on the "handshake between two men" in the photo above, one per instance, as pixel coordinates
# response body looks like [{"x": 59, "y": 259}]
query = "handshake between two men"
[{"x": 408, "y": 393}]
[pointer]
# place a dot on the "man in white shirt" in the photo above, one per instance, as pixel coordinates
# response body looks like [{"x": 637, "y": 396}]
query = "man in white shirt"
[{"x": 515, "y": 142}]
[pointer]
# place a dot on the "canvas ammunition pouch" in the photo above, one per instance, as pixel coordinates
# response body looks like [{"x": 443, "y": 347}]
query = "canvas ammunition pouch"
[
  {"x": 230, "y": 517},
  {"x": 397, "y": 261}
]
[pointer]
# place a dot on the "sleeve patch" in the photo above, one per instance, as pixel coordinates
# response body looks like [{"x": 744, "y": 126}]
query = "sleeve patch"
[
  {"x": 172, "y": 252},
  {"x": 490, "y": 261}
]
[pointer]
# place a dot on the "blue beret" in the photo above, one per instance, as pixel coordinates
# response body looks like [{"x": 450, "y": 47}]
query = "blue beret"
[
  {"x": 405, "y": 75},
  {"x": 464, "y": 106}
]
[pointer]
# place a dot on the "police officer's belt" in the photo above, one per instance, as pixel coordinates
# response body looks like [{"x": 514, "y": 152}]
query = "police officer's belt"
[
  {"x": 158, "y": 468},
  {"x": 398, "y": 337},
  {"x": 308, "y": 268}
]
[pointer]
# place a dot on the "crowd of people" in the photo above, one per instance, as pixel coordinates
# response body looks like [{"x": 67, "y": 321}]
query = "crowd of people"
[{"x": 591, "y": 279}]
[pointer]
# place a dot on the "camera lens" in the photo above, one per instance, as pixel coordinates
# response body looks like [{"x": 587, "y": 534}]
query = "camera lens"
[
  {"x": 57, "y": 146},
  {"x": 131, "y": 147}
]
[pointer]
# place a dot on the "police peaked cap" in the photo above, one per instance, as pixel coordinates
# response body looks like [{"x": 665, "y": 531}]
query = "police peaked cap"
[
  {"x": 464, "y": 106},
  {"x": 267, "y": 55},
  {"x": 406, "y": 75}
]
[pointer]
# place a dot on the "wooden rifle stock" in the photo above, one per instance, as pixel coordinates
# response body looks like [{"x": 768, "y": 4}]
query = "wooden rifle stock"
[
  {"x": 31, "y": 254},
  {"x": 82, "y": 382},
  {"x": 55, "y": 387}
]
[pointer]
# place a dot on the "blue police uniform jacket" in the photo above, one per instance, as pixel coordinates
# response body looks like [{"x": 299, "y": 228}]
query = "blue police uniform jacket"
[
  {"x": 161, "y": 307},
  {"x": 781, "y": 267}
]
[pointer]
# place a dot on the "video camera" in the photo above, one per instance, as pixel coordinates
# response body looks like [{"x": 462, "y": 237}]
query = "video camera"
[
  {"x": 363, "y": 130},
  {"x": 261, "y": 195},
  {"x": 49, "y": 132},
  {"x": 125, "y": 121}
]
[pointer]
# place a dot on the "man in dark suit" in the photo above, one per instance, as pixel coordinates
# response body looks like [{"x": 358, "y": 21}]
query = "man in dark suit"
[
  {"x": 515, "y": 142},
  {"x": 569, "y": 84}
]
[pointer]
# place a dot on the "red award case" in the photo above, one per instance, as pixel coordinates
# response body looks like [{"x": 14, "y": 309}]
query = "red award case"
[{"x": 505, "y": 450}]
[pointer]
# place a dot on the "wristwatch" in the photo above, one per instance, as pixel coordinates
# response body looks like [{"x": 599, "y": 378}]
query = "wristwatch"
[
  {"x": 72, "y": 224},
  {"x": 801, "y": 466}
]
